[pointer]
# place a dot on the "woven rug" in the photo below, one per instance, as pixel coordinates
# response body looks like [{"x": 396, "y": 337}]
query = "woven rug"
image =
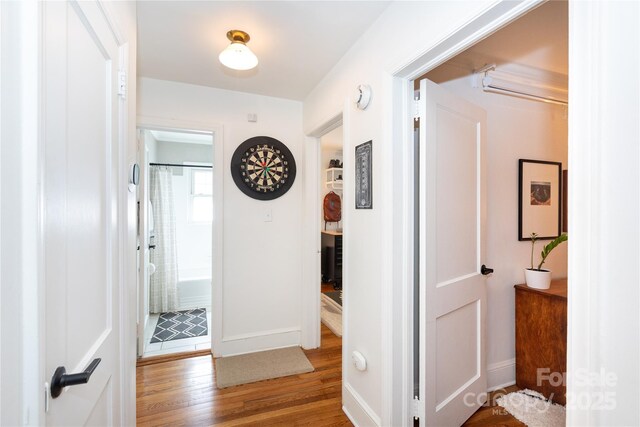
[
  {"x": 177, "y": 325},
  {"x": 331, "y": 311},
  {"x": 263, "y": 365},
  {"x": 531, "y": 408}
]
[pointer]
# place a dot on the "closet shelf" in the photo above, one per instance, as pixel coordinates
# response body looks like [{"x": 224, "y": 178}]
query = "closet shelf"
[{"x": 331, "y": 178}]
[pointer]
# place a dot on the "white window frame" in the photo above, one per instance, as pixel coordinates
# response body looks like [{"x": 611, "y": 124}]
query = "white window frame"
[{"x": 193, "y": 195}]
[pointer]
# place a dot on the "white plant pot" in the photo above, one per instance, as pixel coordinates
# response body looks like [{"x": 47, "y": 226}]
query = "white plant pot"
[{"x": 537, "y": 279}]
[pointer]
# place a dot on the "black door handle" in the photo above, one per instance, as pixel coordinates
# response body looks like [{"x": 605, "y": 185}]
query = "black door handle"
[
  {"x": 152, "y": 246},
  {"x": 485, "y": 270},
  {"x": 61, "y": 379}
]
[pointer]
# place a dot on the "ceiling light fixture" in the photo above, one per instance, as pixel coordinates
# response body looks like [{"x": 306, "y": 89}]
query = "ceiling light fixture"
[{"x": 237, "y": 55}]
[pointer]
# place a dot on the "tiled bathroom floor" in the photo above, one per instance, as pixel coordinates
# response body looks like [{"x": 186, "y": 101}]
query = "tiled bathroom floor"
[{"x": 175, "y": 346}]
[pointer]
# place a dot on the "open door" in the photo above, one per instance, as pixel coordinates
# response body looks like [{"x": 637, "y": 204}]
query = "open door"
[
  {"x": 82, "y": 175},
  {"x": 453, "y": 379}
]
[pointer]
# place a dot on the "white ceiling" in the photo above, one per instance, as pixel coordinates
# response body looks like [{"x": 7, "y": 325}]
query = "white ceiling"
[
  {"x": 296, "y": 42},
  {"x": 538, "y": 40}
]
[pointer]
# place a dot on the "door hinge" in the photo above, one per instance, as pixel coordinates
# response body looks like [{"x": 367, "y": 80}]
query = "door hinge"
[
  {"x": 122, "y": 84},
  {"x": 416, "y": 109},
  {"x": 416, "y": 408}
]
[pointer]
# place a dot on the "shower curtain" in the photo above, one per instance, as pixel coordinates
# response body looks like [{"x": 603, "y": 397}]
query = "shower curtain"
[{"x": 163, "y": 287}]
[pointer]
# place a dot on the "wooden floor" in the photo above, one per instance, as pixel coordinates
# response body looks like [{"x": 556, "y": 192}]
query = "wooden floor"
[
  {"x": 183, "y": 393},
  {"x": 493, "y": 415},
  {"x": 326, "y": 287}
]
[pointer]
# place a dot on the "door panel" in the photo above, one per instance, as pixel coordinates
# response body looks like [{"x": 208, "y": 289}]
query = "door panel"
[
  {"x": 452, "y": 290},
  {"x": 81, "y": 129},
  {"x": 463, "y": 325},
  {"x": 101, "y": 411},
  {"x": 456, "y": 195},
  {"x": 87, "y": 202}
]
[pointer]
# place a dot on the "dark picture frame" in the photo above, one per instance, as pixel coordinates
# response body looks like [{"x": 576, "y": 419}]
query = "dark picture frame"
[
  {"x": 364, "y": 176},
  {"x": 539, "y": 199}
]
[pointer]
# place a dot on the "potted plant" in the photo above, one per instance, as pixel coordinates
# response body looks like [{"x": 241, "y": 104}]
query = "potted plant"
[{"x": 537, "y": 277}]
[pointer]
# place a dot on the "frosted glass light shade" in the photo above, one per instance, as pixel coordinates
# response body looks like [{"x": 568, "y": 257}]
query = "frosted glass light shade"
[{"x": 238, "y": 56}]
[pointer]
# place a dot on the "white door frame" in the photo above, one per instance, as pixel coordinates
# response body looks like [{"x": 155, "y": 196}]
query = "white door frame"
[
  {"x": 21, "y": 261},
  {"x": 398, "y": 307},
  {"x": 311, "y": 228},
  {"x": 217, "y": 238}
]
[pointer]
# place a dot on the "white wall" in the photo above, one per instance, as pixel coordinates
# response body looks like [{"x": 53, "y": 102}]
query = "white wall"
[
  {"x": 516, "y": 129},
  {"x": 193, "y": 240},
  {"x": 180, "y": 152},
  {"x": 262, "y": 260},
  {"x": 330, "y": 148},
  {"x": 381, "y": 50},
  {"x": 151, "y": 144}
]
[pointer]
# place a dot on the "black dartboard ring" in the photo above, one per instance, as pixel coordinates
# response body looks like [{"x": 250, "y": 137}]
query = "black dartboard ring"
[{"x": 263, "y": 168}]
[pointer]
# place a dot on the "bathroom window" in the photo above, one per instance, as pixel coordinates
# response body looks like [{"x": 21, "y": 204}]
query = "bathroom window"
[{"x": 201, "y": 200}]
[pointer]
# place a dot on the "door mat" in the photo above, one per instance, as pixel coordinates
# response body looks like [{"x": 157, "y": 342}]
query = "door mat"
[
  {"x": 263, "y": 365},
  {"x": 531, "y": 408},
  {"x": 177, "y": 325},
  {"x": 331, "y": 313}
]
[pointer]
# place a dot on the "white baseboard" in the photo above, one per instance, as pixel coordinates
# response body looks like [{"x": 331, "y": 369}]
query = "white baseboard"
[
  {"x": 267, "y": 340},
  {"x": 357, "y": 410},
  {"x": 501, "y": 374}
]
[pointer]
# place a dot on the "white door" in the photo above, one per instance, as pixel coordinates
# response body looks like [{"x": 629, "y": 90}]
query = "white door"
[
  {"x": 452, "y": 288},
  {"x": 82, "y": 271}
]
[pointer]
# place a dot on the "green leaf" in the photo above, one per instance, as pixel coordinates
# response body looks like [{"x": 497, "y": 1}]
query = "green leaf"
[{"x": 551, "y": 246}]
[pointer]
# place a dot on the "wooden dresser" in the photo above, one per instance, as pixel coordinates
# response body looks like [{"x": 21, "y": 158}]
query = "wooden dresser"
[{"x": 541, "y": 338}]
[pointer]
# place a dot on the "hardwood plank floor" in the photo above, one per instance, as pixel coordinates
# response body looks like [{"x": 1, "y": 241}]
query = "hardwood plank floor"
[
  {"x": 183, "y": 393},
  {"x": 326, "y": 287},
  {"x": 492, "y": 415}
]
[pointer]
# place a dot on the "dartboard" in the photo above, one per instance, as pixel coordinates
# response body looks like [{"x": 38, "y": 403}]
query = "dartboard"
[{"x": 263, "y": 168}]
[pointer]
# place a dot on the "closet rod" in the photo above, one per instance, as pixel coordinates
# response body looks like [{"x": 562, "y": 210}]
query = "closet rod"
[
  {"x": 173, "y": 165},
  {"x": 498, "y": 89},
  {"x": 488, "y": 87}
]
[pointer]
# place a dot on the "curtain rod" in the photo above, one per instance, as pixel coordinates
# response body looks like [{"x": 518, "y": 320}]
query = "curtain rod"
[{"x": 173, "y": 165}]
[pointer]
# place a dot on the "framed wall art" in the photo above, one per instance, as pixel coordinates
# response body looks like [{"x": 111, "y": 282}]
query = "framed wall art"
[
  {"x": 364, "y": 184},
  {"x": 539, "y": 199}
]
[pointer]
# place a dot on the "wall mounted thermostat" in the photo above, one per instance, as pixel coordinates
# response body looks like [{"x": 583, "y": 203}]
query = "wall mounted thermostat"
[{"x": 363, "y": 96}]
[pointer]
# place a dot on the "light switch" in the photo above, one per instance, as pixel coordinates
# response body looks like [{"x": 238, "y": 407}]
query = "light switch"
[{"x": 268, "y": 216}]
